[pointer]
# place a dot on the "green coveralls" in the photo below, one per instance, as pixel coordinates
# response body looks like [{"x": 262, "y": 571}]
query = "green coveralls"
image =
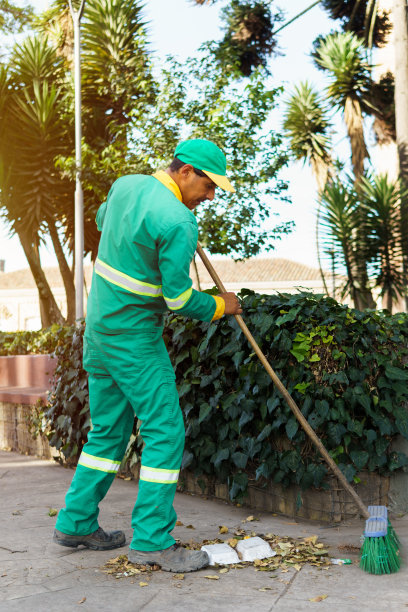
[{"x": 148, "y": 240}]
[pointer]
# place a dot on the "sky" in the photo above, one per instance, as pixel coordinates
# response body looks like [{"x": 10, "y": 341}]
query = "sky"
[{"x": 178, "y": 27}]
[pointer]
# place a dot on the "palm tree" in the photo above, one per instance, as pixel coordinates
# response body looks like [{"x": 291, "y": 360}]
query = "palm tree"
[
  {"x": 400, "y": 20},
  {"x": 117, "y": 84},
  {"x": 32, "y": 136},
  {"x": 339, "y": 222},
  {"x": 342, "y": 55},
  {"x": 36, "y": 129},
  {"x": 307, "y": 127},
  {"x": 382, "y": 201}
]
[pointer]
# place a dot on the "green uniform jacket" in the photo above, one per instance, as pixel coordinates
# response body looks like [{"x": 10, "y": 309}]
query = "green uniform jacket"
[{"x": 143, "y": 267}]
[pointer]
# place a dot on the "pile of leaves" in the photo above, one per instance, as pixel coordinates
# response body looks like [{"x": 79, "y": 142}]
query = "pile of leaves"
[
  {"x": 290, "y": 553},
  {"x": 120, "y": 567}
]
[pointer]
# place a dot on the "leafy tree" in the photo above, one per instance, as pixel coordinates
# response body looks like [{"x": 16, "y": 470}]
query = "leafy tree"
[
  {"x": 199, "y": 100},
  {"x": 249, "y": 39},
  {"x": 14, "y": 18},
  {"x": 362, "y": 17}
]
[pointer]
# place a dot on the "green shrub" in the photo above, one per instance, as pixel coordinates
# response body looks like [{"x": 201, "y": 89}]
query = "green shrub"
[
  {"x": 28, "y": 342},
  {"x": 67, "y": 413},
  {"x": 344, "y": 368}
]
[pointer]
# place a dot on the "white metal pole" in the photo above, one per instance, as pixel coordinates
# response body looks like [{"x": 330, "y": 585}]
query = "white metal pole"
[{"x": 79, "y": 196}]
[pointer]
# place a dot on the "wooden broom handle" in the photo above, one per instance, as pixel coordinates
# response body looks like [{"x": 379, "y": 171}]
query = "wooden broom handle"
[{"x": 291, "y": 402}]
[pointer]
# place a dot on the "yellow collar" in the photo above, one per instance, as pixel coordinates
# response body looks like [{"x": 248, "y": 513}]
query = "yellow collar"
[{"x": 168, "y": 182}]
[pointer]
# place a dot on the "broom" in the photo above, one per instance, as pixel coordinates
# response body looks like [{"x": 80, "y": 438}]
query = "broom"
[{"x": 379, "y": 553}]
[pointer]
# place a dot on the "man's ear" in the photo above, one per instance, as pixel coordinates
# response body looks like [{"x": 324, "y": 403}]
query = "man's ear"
[{"x": 186, "y": 170}]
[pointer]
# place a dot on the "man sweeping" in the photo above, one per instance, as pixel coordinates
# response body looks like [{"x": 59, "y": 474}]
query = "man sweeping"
[{"x": 149, "y": 236}]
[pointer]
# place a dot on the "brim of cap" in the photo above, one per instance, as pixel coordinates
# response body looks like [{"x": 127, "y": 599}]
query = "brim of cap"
[{"x": 220, "y": 181}]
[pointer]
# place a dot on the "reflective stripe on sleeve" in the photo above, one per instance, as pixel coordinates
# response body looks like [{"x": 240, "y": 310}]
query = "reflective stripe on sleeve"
[
  {"x": 160, "y": 476},
  {"x": 180, "y": 301},
  {"x": 99, "y": 463},
  {"x": 126, "y": 282}
]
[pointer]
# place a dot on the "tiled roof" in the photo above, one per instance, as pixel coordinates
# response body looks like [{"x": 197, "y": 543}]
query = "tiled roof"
[
  {"x": 258, "y": 270},
  {"x": 252, "y": 270}
]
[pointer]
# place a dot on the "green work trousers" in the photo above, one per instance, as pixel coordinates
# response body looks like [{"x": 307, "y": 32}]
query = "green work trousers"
[{"x": 129, "y": 374}]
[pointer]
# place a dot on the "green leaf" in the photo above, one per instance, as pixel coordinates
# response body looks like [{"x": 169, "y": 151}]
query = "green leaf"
[
  {"x": 239, "y": 459},
  {"x": 359, "y": 458},
  {"x": 205, "y": 410},
  {"x": 264, "y": 433},
  {"x": 220, "y": 456},
  {"x": 291, "y": 428},
  {"x": 396, "y": 373},
  {"x": 244, "y": 419}
]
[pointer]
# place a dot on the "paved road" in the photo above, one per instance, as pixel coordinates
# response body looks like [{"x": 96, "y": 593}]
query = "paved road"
[{"x": 39, "y": 576}]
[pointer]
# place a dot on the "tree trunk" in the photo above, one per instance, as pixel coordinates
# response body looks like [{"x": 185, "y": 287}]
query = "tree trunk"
[
  {"x": 50, "y": 313},
  {"x": 353, "y": 119},
  {"x": 400, "y": 20},
  {"x": 320, "y": 170},
  {"x": 66, "y": 273}
]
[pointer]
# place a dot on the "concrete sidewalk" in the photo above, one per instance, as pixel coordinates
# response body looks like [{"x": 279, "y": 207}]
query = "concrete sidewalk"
[{"x": 37, "y": 575}]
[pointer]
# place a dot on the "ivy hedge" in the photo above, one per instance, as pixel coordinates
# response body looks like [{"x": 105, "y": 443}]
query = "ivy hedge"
[{"x": 345, "y": 369}]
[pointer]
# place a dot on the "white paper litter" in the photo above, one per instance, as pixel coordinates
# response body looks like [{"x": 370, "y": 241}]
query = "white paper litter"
[
  {"x": 254, "y": 548},
  {"x": 222, "y": 554}
]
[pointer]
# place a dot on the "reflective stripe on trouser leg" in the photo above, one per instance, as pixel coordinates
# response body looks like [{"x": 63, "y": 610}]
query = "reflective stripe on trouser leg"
[{"x": 112, "y": 421}]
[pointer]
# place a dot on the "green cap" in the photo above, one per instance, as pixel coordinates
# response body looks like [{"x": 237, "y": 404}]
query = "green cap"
[{"x": 207, "y": 157}]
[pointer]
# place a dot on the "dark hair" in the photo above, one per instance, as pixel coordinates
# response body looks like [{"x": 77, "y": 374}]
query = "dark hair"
[{"x": 176, "y": 164}]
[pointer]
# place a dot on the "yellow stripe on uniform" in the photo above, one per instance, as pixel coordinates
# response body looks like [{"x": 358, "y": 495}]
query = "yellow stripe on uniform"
[
  {"x": 126, "y": 282},
  {"x": 99, "y": 463},
  {"x": 159, "y": 476},
  {"x": 180, "y": 301}
]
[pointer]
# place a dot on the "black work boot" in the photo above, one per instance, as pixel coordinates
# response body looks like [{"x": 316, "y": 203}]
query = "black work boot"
[
  {"x": 173, "y": 559},
  {"x": 98, "y": 540}
]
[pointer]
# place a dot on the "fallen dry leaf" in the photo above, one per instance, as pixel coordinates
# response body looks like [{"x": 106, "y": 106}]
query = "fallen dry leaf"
[
  {"x": 179, "y": 524},
  {"x": 263, "y": 589},
  {"x": 142, "y": 584},
  {"x": 178, "y": 576},
  {"x": 224, "y": 570},
  {"x": 311, "y": 539},
  {"x": 190, "y": 527},
  {"x": 212, "y": 577},
  {"x": 250, "y": 518},
  {"x": 82, "y": 600},
  {"x": 51, "y": 512},
  {"x": 318, "y": 598},
  {"x": 232, "y": 542},
  {"x": 223, "y": 529}
]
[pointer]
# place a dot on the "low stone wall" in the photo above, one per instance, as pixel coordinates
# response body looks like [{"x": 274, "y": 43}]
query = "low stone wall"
[
  {"x": 331, "y": 505},
  {"x": 15, "y": 431}
]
